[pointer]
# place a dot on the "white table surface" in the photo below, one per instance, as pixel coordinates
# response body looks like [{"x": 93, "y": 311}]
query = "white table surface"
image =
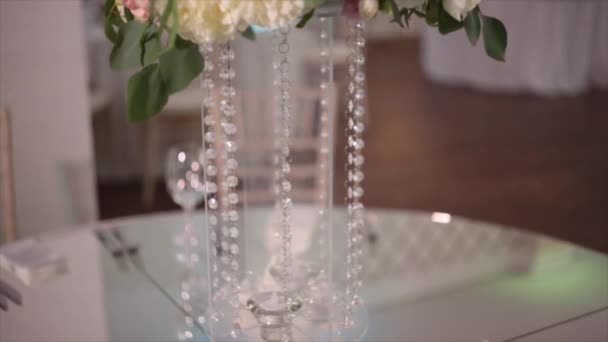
[{"x": 97, "y": 301}]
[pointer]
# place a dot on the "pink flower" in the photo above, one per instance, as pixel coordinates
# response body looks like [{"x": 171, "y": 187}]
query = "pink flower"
[
  {"x": 351, "y": 9},
  {"x": 139, "y": 8}
]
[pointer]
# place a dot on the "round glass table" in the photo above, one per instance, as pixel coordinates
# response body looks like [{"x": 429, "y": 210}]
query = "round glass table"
[{"x": 429, "y": 277}]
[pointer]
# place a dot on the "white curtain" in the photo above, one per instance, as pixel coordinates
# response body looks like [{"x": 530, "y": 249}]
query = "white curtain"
[{"x": 556, "y": 47}]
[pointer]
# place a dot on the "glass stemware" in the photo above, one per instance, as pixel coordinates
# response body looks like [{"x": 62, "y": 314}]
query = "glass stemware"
[{"x": 184, "y": 174}]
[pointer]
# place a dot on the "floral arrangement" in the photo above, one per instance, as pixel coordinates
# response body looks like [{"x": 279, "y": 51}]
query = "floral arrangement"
[{"x": 162, "y": 37}]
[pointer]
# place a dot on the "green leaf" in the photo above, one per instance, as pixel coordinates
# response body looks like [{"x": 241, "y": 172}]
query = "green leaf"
[
  {"x": 180, "y": 65},
  {"x": 108, "y": 7},
  {"x": 432, "y": 12},
  {"x": 151, "y": 46},
  {"x": 112, "y": 21},
  {"x": 494, "y": 38},
  {"x": 305, "y": 18},
  {"x": 248, "y": 33},
  {"x": 128, "y": 14},
  {"x": 396, "y": 13},
  {"x": 147, "y": 93},
  {"x": 127, "y": 51},
  {"x": 472, "y": 25},
  {"x": 447, "y": 24},
  {"x": 110, "y": 31}
]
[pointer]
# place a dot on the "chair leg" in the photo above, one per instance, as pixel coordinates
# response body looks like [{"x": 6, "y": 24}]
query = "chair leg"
[{"x": 151, "y": 146}]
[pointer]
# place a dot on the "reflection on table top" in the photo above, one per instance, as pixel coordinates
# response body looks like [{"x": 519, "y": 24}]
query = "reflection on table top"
[{"x": 533, "y": 291}]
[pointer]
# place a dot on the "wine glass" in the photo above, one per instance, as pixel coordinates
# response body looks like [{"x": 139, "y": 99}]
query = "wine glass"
[{"x": 184, "y": 176}]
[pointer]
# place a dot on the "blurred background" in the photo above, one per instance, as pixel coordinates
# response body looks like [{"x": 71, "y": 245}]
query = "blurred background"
[{"x": 521, "y": 143}]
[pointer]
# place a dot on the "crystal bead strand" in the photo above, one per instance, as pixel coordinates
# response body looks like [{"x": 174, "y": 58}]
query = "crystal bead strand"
[
  {"x": 323, "y": 163},
  {"x": 355, "y": 112},
  {"x": 211, "y": 176},
  {"x": 229, "y": 214},
  {"x": 191, "y": 281},
  {"x": 285, "y": 161},
  {"x": 277, "y": 129}
]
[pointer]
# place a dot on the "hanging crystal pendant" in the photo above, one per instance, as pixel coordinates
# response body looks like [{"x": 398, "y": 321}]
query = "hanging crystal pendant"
[
  {"x": 354, "y": 132},
  {"x": 276, "y": 262}
]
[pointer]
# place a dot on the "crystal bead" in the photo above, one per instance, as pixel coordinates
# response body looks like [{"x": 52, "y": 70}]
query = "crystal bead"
[
  {"x": 207, "y": 83},
  {"x": 231, "y": 164},
  {"x": 287, "y": 203},
  {"x": 231, "y": 146},
  {"x": 358, "y": 176},
  {"x": 228, "y": 91},
  {"x": 358, "y": 144},
  {"x": 229, "y": 128},
  {"x": 233, "y": 215},
  {"x": 234, "y": 232},
  {"x": 358, "y": 192},
  {"x": 359, "y": 127},
  {"x": 211, "y": 187},
  {"x": 359, "y": 41},
  {"x": 234, "y": 249},
  {"x": 209, "y": 65},
  {"x": 358, "y": 160},
  {"x": 210, "y": 153},
  {"x": 212, "y": 203},
  {"x": 286, "y": 168},
  {"x": 359, "y": 77},
  {"x": 211, "y": 170},
  {"x": 286, "y": 186},
  {"x": 351, "y": 70},
  {"x": 232, "y": 181},
  {"x": 227, "y": 109},
  {"x": 226, "y": 276},
  {"x": 224, "y": 245},
  {"x": 210, "y": 137},
  {"x": 359, "y": 59},
  {"x": 351, "y": 87},
  {"x": 209, "y": 120},
  {"x": 225, "y": 231},
  {"x": 350, "y": 105},
  {"x": 233, "y": 198},
  {"x": 227, "y": 73},
  {"x": 359, "y": 94},
  {"x": 359, "y": 111},
  {"x": 227, "y": 55},
  {"x": 235, "y": 265}
]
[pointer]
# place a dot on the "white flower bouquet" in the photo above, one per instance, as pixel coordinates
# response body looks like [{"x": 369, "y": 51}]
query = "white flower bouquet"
[{"x": 163, "y": 36}]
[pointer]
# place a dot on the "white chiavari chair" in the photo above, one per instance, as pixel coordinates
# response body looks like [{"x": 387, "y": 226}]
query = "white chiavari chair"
[{"x": 256, "y": 122}]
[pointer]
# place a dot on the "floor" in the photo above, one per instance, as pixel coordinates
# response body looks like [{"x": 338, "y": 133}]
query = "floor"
[{"x": 534, "y": 163}]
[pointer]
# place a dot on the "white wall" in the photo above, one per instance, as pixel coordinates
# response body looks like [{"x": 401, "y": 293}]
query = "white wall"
[{"x": 43, "y": 82}]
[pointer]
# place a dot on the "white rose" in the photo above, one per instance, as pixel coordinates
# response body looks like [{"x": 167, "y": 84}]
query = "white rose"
[
  {"x": 368, "y": 8},
  {"x": 207, "y": 21},
  {"x": 410, "y": 3},
  {"x": 459, "y": 8},
  {"x": 272, "y": 13}
]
